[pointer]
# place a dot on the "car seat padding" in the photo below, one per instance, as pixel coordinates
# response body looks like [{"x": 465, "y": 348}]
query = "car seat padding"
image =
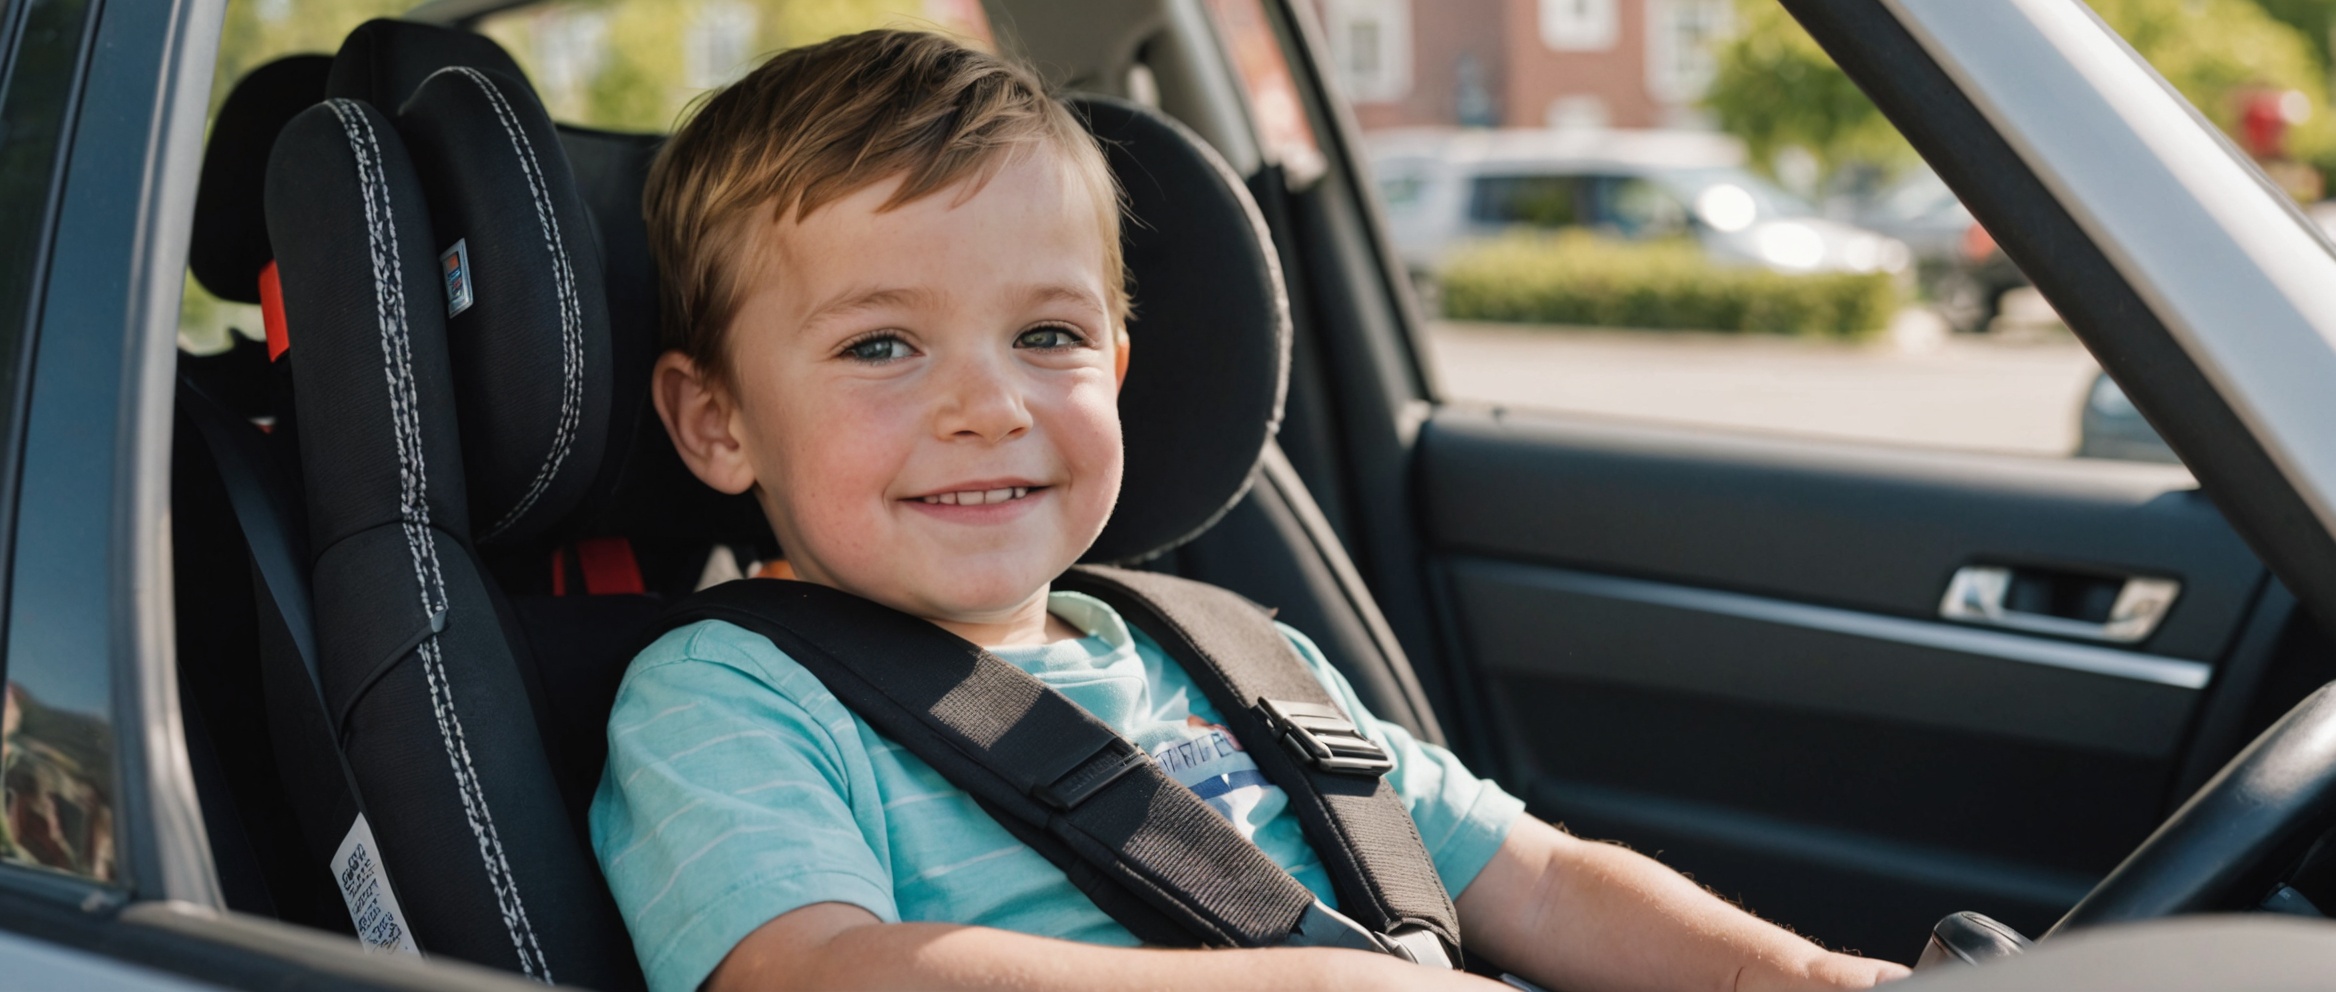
[
  {"x": 230, "y": 241},
  {"x": 432, "y": 709},
  {"x": 1210, "y": 335},
  {"x": 530, "y": 350},
  {"x": 384, "y": 61}
]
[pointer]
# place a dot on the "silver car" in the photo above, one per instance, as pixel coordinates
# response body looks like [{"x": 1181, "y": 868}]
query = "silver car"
[{"x": 1446, "y": 189}]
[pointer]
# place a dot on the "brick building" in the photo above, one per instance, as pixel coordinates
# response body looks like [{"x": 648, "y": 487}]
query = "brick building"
[{"x": 1525, "y": 63}]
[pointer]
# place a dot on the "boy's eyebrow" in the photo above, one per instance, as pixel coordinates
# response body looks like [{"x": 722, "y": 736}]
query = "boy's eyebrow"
[
  {"x": 869, "y": 299},
  {"x": 1064, "y": 293}
]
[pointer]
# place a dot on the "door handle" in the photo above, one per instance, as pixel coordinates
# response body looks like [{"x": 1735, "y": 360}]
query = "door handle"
[{"x": 1982, "y": 593}]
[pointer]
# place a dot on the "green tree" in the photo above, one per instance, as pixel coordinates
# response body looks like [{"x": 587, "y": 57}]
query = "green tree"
[{"x": 1776, "y": 89}]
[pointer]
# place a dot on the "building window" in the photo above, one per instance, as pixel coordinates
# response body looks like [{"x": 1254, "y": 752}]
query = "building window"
[
  {"x": 1371, "y": 42},
  {"x": 1578, "y": 25},
  {"x": 1682, "y": 36}
]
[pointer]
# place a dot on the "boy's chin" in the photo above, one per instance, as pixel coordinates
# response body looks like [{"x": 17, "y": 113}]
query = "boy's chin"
[{"x": 974, "y": 591}]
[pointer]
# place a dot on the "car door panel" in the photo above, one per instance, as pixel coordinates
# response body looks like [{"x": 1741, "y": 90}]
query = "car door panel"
[{"x": 1726, "y": 650}]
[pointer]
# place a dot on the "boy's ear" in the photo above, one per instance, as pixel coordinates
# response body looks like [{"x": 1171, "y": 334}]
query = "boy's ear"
[
  {"x": 1119, "y": 360},
  {"x": 698, "y": 414}
]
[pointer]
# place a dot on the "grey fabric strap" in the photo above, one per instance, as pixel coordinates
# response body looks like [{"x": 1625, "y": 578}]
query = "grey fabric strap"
[
  {"x": 1237, "y": 656},
  {"x": 1149, "y": 852}
]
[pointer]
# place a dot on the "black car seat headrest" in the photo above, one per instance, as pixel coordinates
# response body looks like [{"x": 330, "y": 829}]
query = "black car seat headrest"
[
  {"x": 384, "y": 61},
  {"x": 1210, "y": 334},
  {"x": 526, "y": 321},
  {"x": 230, "y": 243}
]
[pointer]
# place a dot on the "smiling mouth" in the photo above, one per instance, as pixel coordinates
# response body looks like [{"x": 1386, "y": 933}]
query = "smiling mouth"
[{"x": 980, "y": 497}]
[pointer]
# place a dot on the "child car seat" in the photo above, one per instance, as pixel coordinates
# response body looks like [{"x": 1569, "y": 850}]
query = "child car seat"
[
  {"x": 414, "y": 658},
  {"x": 420, "y": 667}
]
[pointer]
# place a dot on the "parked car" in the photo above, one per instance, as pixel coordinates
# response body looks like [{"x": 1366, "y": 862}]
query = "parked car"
[
  {"x": 1956, "y": 262},
  {"x": 1854, "y": 687},
  {"x": 1445, "y": 189}
]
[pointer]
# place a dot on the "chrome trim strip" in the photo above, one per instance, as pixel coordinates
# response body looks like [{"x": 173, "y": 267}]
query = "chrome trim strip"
[
  {"x": 2180, "y": 673},
  {"x": 2239, "y": 279}
]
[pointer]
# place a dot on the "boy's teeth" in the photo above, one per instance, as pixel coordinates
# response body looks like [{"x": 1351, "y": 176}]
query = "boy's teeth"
[{"x": 979, "y": 497}]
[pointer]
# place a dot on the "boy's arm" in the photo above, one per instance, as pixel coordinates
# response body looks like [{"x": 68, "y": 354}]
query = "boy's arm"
[
  {"x": 837, "y": 946},
  {"x": 1575, "y": 914}
]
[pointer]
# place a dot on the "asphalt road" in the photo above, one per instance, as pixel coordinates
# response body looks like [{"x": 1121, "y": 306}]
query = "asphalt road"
[{"x": 2017, "y": 390}]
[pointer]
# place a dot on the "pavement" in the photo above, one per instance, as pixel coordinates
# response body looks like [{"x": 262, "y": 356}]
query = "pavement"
[{"x": 2016, "y": 389}]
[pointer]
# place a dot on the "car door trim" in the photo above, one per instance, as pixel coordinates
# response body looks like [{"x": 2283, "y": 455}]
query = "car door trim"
[
  {"x": 2179, "y": 673},
  {"x": 2199, "y": 288}
]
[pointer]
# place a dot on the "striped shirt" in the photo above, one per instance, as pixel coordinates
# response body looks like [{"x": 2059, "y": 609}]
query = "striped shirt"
[{"x": 738, "y": 788}]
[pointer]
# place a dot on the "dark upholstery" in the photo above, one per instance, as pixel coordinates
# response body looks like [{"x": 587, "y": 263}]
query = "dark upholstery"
[
  {"x": 383, "y": 61},
  {"x": 531, "y": 351},
  {"x": 1211, "y": 334},
  {"x": 417, "y": 665},
  {"x": 230, "y": 243}
]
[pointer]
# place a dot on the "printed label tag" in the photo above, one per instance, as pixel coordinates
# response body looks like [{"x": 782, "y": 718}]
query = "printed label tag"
[
  {"x": 455, "y": 263},
  {"x": 372, "y": 906}
]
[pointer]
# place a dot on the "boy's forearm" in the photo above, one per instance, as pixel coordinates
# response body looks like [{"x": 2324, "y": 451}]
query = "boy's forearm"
[
  {"x": 1580, "y": 915},
  {"x": 841, "y": 952}
]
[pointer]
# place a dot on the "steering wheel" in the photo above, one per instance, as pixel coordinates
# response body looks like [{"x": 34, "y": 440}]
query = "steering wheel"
[{"x": 2229, "y": 844}]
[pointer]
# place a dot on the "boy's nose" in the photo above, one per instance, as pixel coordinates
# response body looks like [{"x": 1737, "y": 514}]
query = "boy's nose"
[{"x": 981, "y": 401}]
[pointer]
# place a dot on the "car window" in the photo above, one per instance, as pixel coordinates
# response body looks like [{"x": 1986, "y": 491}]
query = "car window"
[
  {"x": 1547, "y": 201},
  {"x": 1775, "y": 258},
  {"x": 1637, "y": 207},
  {"x": 670, "y": 53},
  {"x": 57, "y": 773},
  {"x": 254, "y": 33}
]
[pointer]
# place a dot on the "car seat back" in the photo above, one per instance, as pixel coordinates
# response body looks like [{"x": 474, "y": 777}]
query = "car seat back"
[{"x": 416, "y": 660}]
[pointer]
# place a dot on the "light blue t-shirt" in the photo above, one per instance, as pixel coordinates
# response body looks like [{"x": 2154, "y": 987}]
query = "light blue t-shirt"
[{"x": 738, "y": 788}]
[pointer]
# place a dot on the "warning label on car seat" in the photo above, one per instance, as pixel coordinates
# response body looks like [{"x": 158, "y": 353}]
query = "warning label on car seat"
[{"x": 372, "y": 906}]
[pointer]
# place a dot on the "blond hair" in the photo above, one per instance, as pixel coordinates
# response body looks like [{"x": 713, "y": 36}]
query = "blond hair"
[{"x": 818, "y": 123}]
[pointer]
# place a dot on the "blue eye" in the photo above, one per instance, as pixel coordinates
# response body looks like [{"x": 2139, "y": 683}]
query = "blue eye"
[
  {"x": 1050, "y": 336},
  {"x": 878, "y": 349}
]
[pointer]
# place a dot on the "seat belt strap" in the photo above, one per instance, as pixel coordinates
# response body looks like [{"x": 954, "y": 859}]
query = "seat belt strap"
[
  {"x": 302, "y": 729},
  {"x": 1236, "y": 655},
  {"x": 1150, "y": 852}
]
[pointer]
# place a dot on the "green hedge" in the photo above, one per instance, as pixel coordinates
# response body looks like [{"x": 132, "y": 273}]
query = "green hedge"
[{"x": 1576, "y": 277}]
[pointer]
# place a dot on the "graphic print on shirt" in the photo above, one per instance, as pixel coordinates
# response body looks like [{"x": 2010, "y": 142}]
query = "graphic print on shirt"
[{"x": 1211, "y": 763}]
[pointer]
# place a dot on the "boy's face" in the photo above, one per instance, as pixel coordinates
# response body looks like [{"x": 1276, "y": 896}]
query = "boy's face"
[{"x": 925, "y": 397}]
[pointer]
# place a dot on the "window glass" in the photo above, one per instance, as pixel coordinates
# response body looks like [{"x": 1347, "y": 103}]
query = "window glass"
[
  {"x": 56, "y": 743},
  {"x": 255, "y": 33},
  {"x": 1274, "y": 107},
  {"x": 1716, "y": 228},
  {"x": 1545, "y": 201},
  {"x": 634, "y": 65}
]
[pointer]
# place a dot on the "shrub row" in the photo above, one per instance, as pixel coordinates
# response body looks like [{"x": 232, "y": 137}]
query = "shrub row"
[{"x": 1576, "y": 277}]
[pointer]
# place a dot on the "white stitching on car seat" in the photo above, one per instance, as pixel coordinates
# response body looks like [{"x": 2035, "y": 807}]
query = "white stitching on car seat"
[
  {"x": 563, "y": 286},
  {"x": 414, "y": 521}
]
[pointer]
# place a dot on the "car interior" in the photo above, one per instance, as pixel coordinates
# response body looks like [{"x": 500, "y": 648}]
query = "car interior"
[{"x": 1853, "y": 688}]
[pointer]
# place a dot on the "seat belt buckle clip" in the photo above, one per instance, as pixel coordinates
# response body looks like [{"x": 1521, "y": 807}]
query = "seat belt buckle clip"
[{"x": 1323, "y": 737}]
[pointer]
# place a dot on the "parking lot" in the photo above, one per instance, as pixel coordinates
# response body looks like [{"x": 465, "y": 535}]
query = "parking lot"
[{"x": 2018, "y": 390}]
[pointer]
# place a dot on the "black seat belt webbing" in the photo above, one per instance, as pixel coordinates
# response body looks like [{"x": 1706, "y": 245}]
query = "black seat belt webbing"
[
  {"x": 1056, "y": 776},
  {"x": 305, "y": 735},
  {"x": 1231, "y": 649}
]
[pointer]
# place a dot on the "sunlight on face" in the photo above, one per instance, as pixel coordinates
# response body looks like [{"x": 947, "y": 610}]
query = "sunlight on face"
[{"x": 926, "y": 394}]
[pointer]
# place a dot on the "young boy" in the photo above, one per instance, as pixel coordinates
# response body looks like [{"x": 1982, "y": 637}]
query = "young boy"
[{"x": 897, "y": 315}]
